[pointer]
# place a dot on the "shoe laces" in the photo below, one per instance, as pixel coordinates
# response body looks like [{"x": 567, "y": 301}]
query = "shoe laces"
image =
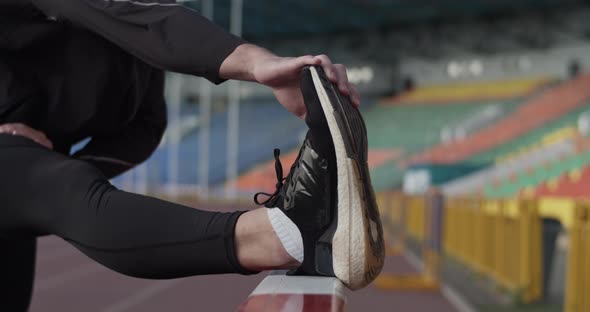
[{"x": 272, "y": 198}]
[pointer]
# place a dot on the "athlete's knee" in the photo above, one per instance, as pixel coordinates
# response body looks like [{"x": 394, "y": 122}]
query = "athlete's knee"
[
  {"x": 79, "y": 188},
  {"x": 76, "y": 177}
]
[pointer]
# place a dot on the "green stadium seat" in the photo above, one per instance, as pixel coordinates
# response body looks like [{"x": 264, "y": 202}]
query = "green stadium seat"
[{"x": 411, "y": 129}]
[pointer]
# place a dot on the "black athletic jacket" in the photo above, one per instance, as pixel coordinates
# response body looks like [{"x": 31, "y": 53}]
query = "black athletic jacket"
[{"x": 93, "y": 68}]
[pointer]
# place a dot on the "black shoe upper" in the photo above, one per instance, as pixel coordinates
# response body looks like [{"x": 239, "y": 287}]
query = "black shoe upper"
[
  {"x": 308, "y": 194},
  {"x": 305, "y": 196}
]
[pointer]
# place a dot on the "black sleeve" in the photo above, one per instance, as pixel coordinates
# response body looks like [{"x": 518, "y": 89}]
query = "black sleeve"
[
  {"x": 162, "y": 33},
  {"x": 116, "y": 154}
]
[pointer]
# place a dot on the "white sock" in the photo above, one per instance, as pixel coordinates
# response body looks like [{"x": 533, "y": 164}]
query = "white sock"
[{"x": 287, "y": 232}]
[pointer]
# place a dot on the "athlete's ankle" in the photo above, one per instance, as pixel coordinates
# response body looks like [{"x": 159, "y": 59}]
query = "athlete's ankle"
[{"x": 258, "y": 247}]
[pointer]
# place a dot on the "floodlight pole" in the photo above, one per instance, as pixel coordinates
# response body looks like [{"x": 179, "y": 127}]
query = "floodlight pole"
[
  {"x": 205, "y": 99},
  {"x": 233, "y": 112}
]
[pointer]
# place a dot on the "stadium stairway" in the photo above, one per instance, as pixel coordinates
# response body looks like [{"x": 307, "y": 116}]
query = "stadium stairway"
[{"x": 548, "y": 106}]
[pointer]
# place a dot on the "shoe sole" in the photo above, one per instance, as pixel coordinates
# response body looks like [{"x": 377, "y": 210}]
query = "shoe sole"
[{"x": 358, "y": 249}]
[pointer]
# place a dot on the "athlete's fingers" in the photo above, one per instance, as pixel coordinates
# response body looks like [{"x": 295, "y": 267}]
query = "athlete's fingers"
[
  {"x": 342, "y": 79},
  {"x": 40, "y": 138},
  {"x": 8, "y": 128},
  {"x": 295, "y": 64},
  {"x": 355, "y": 96},
  {"x": 307, "y": 60},
  {"x": 328, "y": 68},
  {"x": 25, "y": 131}
]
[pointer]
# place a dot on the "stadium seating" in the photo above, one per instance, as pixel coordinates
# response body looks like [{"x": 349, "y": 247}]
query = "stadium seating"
[
  {"x": 256, "y": 142},
  {"x": 530, "y": 140},
  {"x": 475, "y": 91},
  {"x": 574, "y": 183},
  {"x": 473, "y": 183},
  {"x": 412, "y": 128},
  {"x": 540, "y": 110},
  {"x": 555, "y": 141},
  {"x": 546, "y": 172},
  {"x": 393, "y": 132},
  {"x": 261, "y": 176}
]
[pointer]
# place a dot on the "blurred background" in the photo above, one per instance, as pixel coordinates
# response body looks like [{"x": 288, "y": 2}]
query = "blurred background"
[{"x": 478, "y": 114}]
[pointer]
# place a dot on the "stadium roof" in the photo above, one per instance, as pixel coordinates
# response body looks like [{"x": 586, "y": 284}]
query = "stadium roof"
[{"x": 264, "y": 19}]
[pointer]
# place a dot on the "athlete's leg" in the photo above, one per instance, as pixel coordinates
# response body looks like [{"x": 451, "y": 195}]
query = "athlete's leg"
[
  {"x": 17, "y": 270},
  {"x": 43, "y": 192}
]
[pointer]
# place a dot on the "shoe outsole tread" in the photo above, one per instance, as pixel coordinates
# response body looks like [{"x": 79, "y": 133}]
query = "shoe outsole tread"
[{"x": 357, "y": 244}]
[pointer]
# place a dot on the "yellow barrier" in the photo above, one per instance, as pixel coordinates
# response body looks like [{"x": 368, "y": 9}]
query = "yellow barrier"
[
  {"x": 409, "y": 216},
  {"x": 500, "y": 239},
  {"x": 415, "y": 217},
  {"x": 390, "y": 207},
  {"x": 577, "y": 297}
]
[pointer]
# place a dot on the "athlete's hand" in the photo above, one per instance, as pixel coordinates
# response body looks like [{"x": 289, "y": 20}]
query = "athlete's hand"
[
  {"x": 281, "y": 74},
  {"x": 26, "y": 131}
]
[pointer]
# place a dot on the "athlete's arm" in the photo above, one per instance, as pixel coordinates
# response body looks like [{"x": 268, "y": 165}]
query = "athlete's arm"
[
  {"x": 162, "y": 33},
  {"x": 173, "y": 37},
  {"x": 281, "y": 74},
  {"x": 115, "y": 154}
]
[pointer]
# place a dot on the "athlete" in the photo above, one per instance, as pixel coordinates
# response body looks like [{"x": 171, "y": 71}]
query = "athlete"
[{"x": 75, "y": 69}]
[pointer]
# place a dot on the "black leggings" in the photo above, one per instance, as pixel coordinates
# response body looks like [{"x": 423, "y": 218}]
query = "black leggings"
[{"x": 43, "y": 192}]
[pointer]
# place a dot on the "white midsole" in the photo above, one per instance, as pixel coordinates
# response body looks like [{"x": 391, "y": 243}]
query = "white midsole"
[{"x": 348, "y": 244}]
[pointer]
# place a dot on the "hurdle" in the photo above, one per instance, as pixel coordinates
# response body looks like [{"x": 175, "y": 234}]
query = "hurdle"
[{"x": 279, "y": 292}]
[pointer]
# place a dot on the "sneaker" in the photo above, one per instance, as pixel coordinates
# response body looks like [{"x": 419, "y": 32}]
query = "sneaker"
[{"x": 328, "y": 192}]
